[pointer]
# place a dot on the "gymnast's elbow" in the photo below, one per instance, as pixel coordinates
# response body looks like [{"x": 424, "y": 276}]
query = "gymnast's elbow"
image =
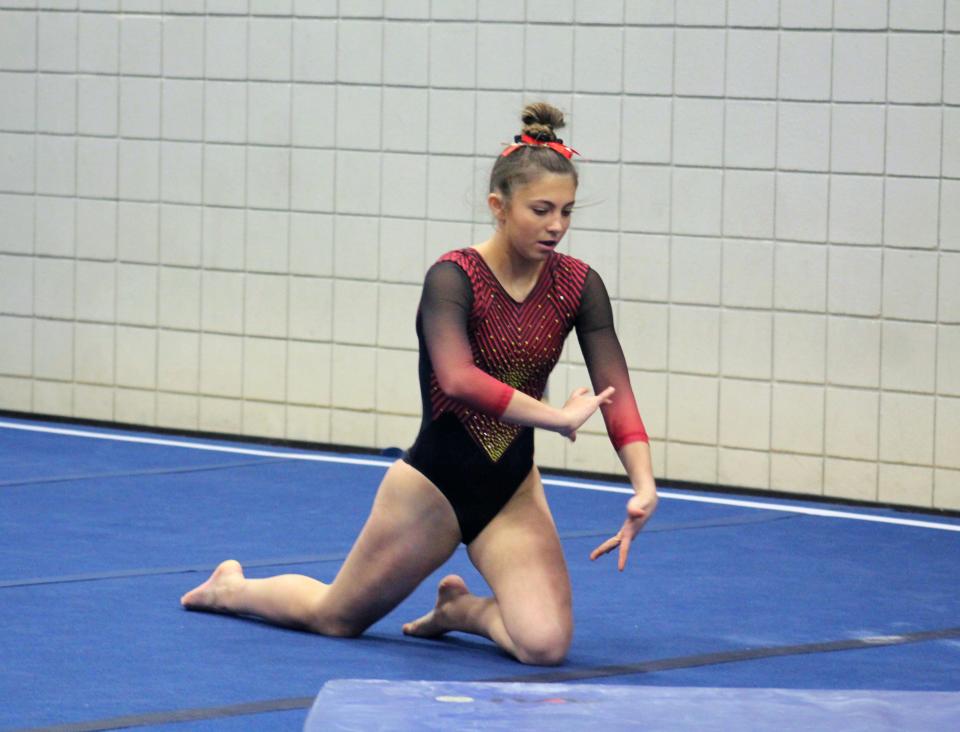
[{"x": 455, "y": 384}]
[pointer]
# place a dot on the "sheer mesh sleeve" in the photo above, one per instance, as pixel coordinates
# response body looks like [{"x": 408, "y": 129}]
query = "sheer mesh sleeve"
[
  {"x": 444, "y": 311},
  {"x": 606, "y": 364}
]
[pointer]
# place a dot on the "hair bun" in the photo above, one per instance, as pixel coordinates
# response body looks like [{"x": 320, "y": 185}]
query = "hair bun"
[{"x": 540, "y": 120}]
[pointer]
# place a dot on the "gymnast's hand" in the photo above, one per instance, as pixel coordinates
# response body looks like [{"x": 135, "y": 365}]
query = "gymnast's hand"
[
  {"x": 639, "y": 510},
  {"x": 580, "y": 407}
]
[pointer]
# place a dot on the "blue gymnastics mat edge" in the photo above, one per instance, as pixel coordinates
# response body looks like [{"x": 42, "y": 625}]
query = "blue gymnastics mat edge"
[{"x": 373, "y": 704}]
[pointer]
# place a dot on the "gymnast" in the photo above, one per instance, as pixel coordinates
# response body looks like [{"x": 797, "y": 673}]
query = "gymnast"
[{"x": 491, "y": 326}]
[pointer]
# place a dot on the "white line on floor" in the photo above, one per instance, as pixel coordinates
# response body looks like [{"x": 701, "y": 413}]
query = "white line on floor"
[{"x": 808, "y": 511}]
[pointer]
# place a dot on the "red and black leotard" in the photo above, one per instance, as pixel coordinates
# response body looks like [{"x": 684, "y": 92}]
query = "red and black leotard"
[{"x": 478, "y": 344}]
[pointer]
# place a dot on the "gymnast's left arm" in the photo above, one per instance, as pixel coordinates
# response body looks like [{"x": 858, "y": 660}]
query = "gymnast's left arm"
[{"x": 608, "y": 367}]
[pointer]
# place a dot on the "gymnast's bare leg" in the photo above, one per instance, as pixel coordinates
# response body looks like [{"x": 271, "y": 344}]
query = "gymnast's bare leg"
[
  {"x": 519, "y": 555},
  {"x": 411, "y": 531}
]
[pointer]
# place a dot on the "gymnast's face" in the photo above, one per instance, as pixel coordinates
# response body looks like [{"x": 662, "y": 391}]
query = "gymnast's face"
[{"x": 537, "y": 215}]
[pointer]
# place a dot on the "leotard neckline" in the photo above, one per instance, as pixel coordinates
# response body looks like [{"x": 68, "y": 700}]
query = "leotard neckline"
[{"x": 541, "y": 278}]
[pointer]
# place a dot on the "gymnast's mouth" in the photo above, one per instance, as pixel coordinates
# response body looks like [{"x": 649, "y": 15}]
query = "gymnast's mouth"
[{"x": 549, "y": 242}]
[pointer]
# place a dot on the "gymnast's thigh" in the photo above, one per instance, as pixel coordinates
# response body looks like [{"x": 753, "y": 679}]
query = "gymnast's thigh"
[
  {"x": 411, "y": 530},
  {"x": 520, "y": 556}
]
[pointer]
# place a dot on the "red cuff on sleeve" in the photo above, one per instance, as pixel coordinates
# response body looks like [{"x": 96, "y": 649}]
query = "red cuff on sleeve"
[
  {"x": 621, "y": 440},
  {"x": 506, "y": 394}
]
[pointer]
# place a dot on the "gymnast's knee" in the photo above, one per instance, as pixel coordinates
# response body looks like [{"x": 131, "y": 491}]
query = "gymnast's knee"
[
  {"x": 336, "y": 626},
  {"x": 545, "y": 647}
]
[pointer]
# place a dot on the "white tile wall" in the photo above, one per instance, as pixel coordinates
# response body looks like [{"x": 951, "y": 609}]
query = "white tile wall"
[
  {"x": 93, "y": 402},
  {"x": 906, "y": 428},
  {"x": 853, "y": 352},
  {"x": 17, "y": 358},
  {"x": 265, "y": 305},
  {"x": 913, "y": 140},
  {"x": 225, "y": 48},
  {"x": 222, "y": 302},
  {"x": 854, "y": 281},
  {"x": 951, "y": 71},
  {"x": 694, "y": 340},
  {"x": 698, "y": 131},
  {"x": 856, "y": 209},
  {"x": 949, "y": 307},
  {"x": 56, "y": 103},
  {"x": 183, "y": 46},
  {"x": 859, "y": 67},
  {"x": 358, "y": 117},
  {"x": 905, "y": 277},
  {"x": 852, "y": 423},
  {"x": 797, "y": 424},
  {"x": 748, "y": 203},
  {"x": 221, "y": 365},
  {"x": 799, "y": 347},
  {"x": 52, "y": 397},
  {"x": 53, "y": 350},
  {"x": 314, "y": 50},
  {"x": 94, "y": 353},
  {"x": 948, "y": 351},
  {"x": 953, "y": 15},
  {"x": 697, "y": 463},
  {"x": 267, "y": 241},
  {"x": 800, "y": 277},
  {"x": 56, "y": 38},
  {"x": 750, "y": 134},
  {"x": 648, "y": 60},
  {"x": 645, "y": 198},
  {"x": 805, "y": 65},
  {"x": 697, "y": 201},
  {"x": 773, "y": 197},
  {"x": 264, "y": 419},
  {"x": 264, "y": 369},
  {"x": 745, "y": 414},
  {"x": 949, "y": 215},
  {"x": 647, "y": 125},
  {"x": 693, "y": 402},
  {"x": 747, "y": 468},
  {"x": 178, "y": 361},
  {"x": 133, "y": 406},
  {"x": 548, "y": 41},
  {"x": 140, "y": 107},
  {"x": 857, "y": 138},
  {"x": 796, "y": 473},
  {"x": 947, "y": 432},
  {"x": 951, "y": 142},
  {"x": 308, "y": 373},
  {"x": 313, "y": 116},
  {"x": 905, "y": 484},
  {"x": 865, "y": 14},
  {"x": 946, "y": 491},
  {"x": 745, "y": 343},
  {"x": 96, "y": 290},
  {"x": 801, "y": 207},
  {"x": 910, "y": 212},
  {"x": 915, "y": 68},
  {"x": 751, "y": 64},
  {"x": 908, "y": 356},
  {"x": 850, "y": 479},
  {"x": 136, "y": 357}
]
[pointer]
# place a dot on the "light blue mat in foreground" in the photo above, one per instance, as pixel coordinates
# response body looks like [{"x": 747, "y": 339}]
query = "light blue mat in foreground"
[{"x": 444, "y": 705}]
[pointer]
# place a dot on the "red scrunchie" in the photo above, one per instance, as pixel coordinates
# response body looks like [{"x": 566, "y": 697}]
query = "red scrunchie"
[{"x": 556, "y": 145}]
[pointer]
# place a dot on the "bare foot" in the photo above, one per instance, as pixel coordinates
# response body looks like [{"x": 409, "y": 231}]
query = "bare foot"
[
  {"x": 211, "y": 595},
  {"x": 437, "y": 622}
]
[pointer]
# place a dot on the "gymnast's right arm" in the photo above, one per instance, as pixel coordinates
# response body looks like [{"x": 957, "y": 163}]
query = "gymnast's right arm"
[{"x": 444, "y": 310}]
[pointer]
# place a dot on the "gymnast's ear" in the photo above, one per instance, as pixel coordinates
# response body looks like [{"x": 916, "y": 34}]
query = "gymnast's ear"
[{"x": 497, "y": 206}]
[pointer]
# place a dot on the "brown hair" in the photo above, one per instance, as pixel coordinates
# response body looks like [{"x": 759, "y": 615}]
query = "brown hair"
[{"x": 529, "y": 162}]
